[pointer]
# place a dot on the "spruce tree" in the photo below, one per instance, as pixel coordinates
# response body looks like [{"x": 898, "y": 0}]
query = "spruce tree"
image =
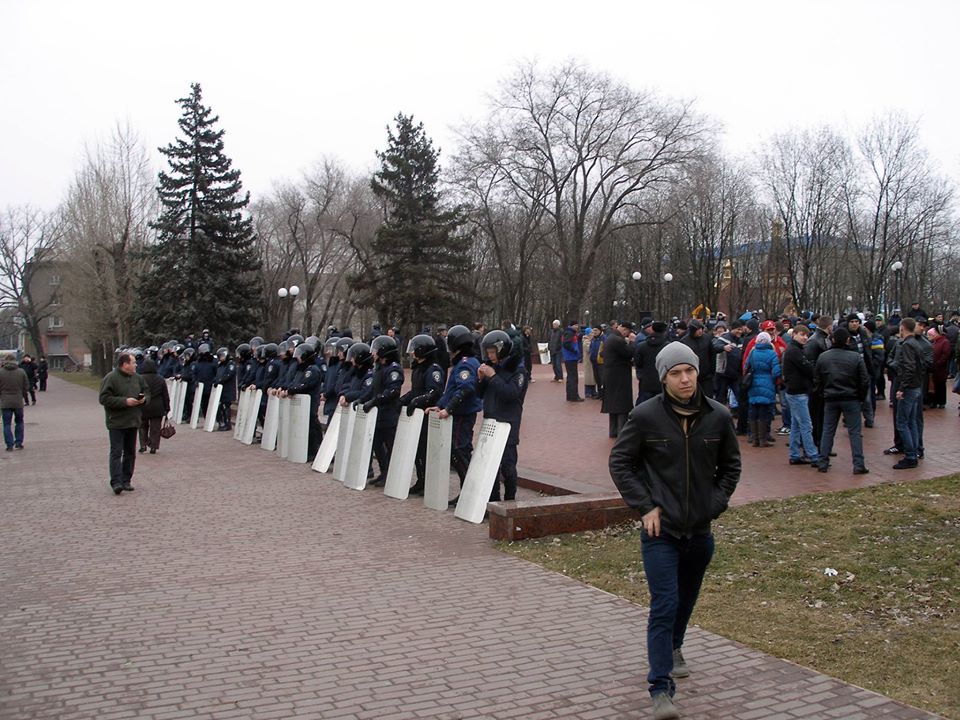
[
  {"x": 419, "y": 267},
  {"x": 205, "y": 272}
]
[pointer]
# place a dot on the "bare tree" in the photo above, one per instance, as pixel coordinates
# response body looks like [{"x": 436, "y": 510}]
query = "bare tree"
[
  {"x": 28, "y": 241},
  {"x": 587, "y": 150},
  {"x": 106, "y": 230}
]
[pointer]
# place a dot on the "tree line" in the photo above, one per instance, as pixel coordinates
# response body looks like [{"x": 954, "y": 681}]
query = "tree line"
[{"x": 574, "y": 195}]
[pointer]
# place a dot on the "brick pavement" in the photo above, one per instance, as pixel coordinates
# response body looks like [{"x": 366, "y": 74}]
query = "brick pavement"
[
  {"x": 569, "y": 441},
  {"x": 235, "y": 585}
]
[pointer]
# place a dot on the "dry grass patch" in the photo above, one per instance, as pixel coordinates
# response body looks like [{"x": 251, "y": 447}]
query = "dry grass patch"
[
  {"x": 80, "y": 378},
  {"x": 887, "y": 619}
]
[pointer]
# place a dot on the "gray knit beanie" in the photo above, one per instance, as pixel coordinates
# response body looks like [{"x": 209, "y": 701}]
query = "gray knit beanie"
[{"x": 673, "y": 354}]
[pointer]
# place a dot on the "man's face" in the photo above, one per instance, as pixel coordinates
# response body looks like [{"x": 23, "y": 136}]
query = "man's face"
[
  {"x": 492, "y": 355},
  {"x": 854, "y": 326},
  {"x": 681, "y": 381},
  {"x": 904, "y": 332},
  {"x": 624, "y": 330},
  {"x": 800, "y": 337},
  {"x": 130, "y": 366}
]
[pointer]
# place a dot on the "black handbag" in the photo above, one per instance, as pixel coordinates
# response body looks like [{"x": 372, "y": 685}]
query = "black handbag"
[
  {"x": 167, "y": 430},
  {"x": 747, "y": 380}
]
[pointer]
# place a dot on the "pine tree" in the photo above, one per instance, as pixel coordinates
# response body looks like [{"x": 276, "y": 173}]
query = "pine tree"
[
  {"x": 205, "y": 272},
  {"x": 420, "y": 264}
]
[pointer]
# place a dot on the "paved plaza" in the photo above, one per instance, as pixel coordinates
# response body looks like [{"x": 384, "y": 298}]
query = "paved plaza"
[{"x": 232, "y": 584}]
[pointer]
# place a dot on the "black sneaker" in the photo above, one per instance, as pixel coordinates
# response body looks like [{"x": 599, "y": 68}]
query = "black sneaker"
[
  {"x": 904, "y": 464},
  {"x": 117, "y": 489},
  {"x": 799, "y": 461},
  {"x": 861, "y": 471}
]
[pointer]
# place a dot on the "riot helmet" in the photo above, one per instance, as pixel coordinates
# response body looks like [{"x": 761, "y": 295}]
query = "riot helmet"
[
  {"x": 359, "y": 354},
  {"x": 178, "y": 349},
  {"x": 204, "y": 349},
  {"x": 283, "y": 348},
  {"x": 244, "y": 351},
  {"x": 222, "y": 354},
  {"x": 255, "y": 342},
  {"x": 460, "y": 339},
  {"x": 305, "y": 353},
  {"x": 499, "y": 341},
  {"x": 270, "y": 351},
  {"x": 188, "y": 353},
  {"x": 315, "y": 341},
  {"x": 343, "y": 345},
  {"x": 137, "y": 353},
  {"x": 422, "y": 346},
  {"x": 295, "y": 340},
  {"x": 385, "y": 347}
]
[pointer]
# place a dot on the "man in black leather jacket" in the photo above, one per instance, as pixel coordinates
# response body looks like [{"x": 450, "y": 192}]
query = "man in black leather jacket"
[
  {"x": 841, "y": 375},
  {"x": 677, "y": 461}
]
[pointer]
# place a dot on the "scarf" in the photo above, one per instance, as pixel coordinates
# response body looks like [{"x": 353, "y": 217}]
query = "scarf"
[{"x": 686, "y": 412}]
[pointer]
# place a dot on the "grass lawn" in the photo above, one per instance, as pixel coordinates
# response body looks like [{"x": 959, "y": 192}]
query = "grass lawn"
[
  {"x": 887, "y": 620},
  {"x": 80, "y": 378}
]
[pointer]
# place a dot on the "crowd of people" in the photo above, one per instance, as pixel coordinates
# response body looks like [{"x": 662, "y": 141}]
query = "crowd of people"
[
  {"x": 18, "y": 388},
  {"x": 810, "y": 371}
]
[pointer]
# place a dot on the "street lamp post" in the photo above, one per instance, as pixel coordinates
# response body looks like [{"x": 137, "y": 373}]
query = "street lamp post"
[
  {"x": 668, "y": 278},
  {"x": 292, "y": 293},
  {"x": 897, "y": 269}
]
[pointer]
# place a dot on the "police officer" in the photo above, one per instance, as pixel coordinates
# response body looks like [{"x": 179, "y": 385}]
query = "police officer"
[
  {"x": 360, "y": 388},
  {"x": 387, "y": 383},
  {"x": 460, "y": 400},
  {"x": 269, "y": 376},
  {"x": 226, "y": 377},
  {"x": 426, "y": 378},
  {"x": 204, "y": 371},
  {"x": 345, "y": 371},
  {"x": 186, "y": 373},
  {"x": 503, "y": 386},
  {"x": 329, "y": 390},
  {"x": 307, "y": 381}
]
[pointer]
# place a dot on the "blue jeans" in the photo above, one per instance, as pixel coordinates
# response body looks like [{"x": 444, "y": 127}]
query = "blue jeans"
[
  {"x": 674, "y": 570},
  {"x": 801, "y": 428},
  {"x": 851, "y": 410},
  {"x": 785, "y": 409},
  {"x": 908, "y": 410},
  {"x": 10, "y": 416}
]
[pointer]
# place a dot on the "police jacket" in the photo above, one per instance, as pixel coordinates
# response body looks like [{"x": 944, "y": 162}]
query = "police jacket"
[
  {"x": 797, "y": 370},
  {"x": 226, "y": 377},
  {"x": 841, "y": 374},
  {"x": 689, "y": 474},
  {"x": 426, "y": 379},
  {"x": 387, "y": 382},
  {"x": 460, "y": 396},
  {"x": 361, "y": 386},
  {"x": 204, "y": 371},
  {"x": 168, "y": 366},
  {"x": 330, "y": 378},
  {"x": 186, "y": 373},
  {"x": 307, "y": 380},
  {"x": 503, "y": 395},
  {"x": 287, "y": 373},
  {"x": 344, "y": 378},
  {"x": 248, "y": 373},
  {"x": 270, "y": 377},
  {"x": 259, "y": 373}
]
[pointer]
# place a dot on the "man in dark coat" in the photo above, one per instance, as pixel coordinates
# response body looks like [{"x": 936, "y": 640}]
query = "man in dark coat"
[
  {"x": 617, "y": 383},
  {"x": 43, "y": 372},
  {"x": 644, "y": 359},
  {"x": 30, "y": 368},
  {"x": 153, "y": 412}
]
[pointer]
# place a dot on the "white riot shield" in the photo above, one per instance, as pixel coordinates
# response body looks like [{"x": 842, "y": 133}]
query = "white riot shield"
[
  {"x": 299, "y": 429},
  {"x": 436, "y": 493},
  {"x": 213, "y": 405},
  {"x": 360, "y": 448},
  {"x": 342, "y": 458},
  {"x": 283, "y": 429},
  {"x": 181, "y": 393},
  {"x": 250, "y": 422},
  {"x": 243, "y": 403},
  {"x": 321, "y": 463},
  {"x": 404, "y": 454},
  {"x": 271, "y": 424},
  {"x": 195, "y": 412},
  {"x": 482, "y": 473},
  {"x": 171, "y": 387}
]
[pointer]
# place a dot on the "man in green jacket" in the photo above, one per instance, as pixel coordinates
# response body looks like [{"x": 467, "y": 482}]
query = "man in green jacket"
[
  {"x": 122, "y": 393},
  {"x": 13, "y": 388}
]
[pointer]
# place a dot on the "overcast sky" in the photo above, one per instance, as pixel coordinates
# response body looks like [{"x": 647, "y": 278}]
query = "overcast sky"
[{"x": 294, "y": 81}]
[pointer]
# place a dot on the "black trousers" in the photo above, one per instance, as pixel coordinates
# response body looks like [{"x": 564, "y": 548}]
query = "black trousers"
[
  {"x": 123, "y": 455},
  {"x": 508, "y": 474},
  {"x": 223, "y": 414},
  {"x": 573, "y": 379},
  {"x": 383, "y": 438},
  {"x": 150, "y": 432},
  {"x": 816, "y": 416},
  {"x": 43, "y": 383},
  {"x": 617, "y": 421}
]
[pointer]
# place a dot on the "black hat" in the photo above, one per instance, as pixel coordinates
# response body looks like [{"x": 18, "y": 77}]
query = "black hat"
[
  {"x": 646, "y": 322},
  {"x": 853, "y": 316},
  {"x": 627, "y": 324}
]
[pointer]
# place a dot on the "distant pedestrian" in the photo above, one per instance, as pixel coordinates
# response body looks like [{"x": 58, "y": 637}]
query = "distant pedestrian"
[
  {"x": 572, "y": 353},
  {"x": 554, "y": 344},
  {"x": 153, "y": 412},
  {"x": 841, "y": 374},
  {"x": 43, "y": 371},
  {"x": 13, "y": 389},
  {"x": 122, "y": 393},
  {"x": 30, "y": 368},
  {"x": 617, "y": 384},
  {"x": 677, "y": 461}
]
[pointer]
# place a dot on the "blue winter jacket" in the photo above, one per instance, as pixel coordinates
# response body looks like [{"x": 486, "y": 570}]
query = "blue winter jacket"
[
  {"x": 765, "y": 366},
  {"x": 571, "y": 346}
]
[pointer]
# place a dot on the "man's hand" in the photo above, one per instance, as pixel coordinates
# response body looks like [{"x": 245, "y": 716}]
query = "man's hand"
[
  {"x": 133, "y": 402},
  {"x": 342, "y": 402},
  {"x": 443, "y": 414},
  {"x": 486, "y": 371},
  {"x": 899, "y": 394},
  {"x": 651, "y": 522}
]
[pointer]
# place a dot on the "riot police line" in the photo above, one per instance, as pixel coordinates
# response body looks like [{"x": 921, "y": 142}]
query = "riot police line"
[{"x": 338, "y": 403}]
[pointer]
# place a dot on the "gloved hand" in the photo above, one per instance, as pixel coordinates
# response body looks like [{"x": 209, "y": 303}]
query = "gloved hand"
[
  {"x": 356, "y": 404},
  {"x": 368, "y": 406},
  {"x": 410, "y": 409}
]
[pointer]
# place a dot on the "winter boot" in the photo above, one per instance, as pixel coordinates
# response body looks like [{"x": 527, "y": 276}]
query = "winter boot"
[
  {"x": 766, "y": 438},
  {"x": 755, "y": 433}
]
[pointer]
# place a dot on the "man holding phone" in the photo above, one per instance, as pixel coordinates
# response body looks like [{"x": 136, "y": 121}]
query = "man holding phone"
[{"x": 122, "y": 393}]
